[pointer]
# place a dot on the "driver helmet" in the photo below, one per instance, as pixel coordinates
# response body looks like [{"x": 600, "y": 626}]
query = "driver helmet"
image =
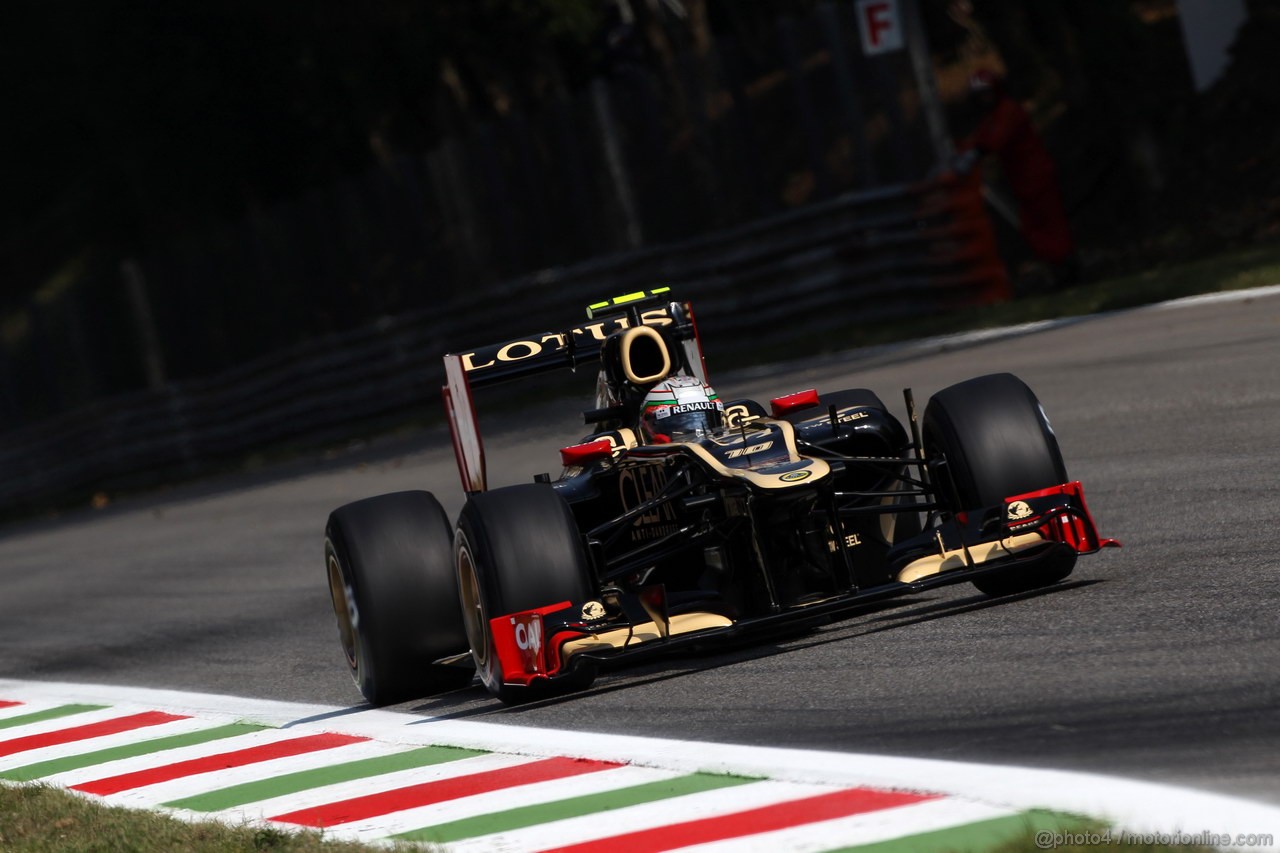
[{"x": 680, "y": 408}]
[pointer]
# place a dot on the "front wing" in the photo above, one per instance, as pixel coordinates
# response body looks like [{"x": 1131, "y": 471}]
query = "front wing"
[{"x": 542, "y": 645}]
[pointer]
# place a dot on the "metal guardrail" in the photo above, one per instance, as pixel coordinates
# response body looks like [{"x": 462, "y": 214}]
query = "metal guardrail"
[{"x": 889, "y": 254}]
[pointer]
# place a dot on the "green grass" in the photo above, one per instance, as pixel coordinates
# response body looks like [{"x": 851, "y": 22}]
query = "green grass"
[
  {"x": 44, "y": 819},
  {"x": 1091, "y": 839},
  {"x": 1257, "y": 266}
]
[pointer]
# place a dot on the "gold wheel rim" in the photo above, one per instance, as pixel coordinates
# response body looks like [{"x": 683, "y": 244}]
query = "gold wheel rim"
[
  {"x": 344, "y": 608},
  {"x": 472, "y": 606}
]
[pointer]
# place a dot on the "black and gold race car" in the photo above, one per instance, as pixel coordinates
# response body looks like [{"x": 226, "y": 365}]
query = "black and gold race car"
[{"x": 683, "y": 519}]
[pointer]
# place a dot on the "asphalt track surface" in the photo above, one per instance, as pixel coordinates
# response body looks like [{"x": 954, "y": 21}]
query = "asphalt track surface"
[{"x": 1160, "y": 661}]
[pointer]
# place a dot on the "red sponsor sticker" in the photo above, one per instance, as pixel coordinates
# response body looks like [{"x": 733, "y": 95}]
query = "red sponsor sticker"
[{"x": 527, "y": 628}]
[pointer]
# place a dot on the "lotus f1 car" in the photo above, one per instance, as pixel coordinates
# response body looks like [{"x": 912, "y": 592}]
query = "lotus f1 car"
[{"x": 648, "y": 542}]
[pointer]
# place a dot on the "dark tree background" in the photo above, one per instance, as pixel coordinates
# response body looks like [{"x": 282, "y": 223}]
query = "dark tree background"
[
  {"x": 131, "y": 120},
  {"x": 131, "y": 123}
]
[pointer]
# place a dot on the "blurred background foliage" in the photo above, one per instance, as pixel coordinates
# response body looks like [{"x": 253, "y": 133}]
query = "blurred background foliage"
[
  {"x": 134, "y": 120},
  {"x": 139, "y": 129}
]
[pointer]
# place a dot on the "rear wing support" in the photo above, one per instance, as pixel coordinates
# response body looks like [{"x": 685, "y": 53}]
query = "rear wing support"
[{"x": 468, "y": 449}]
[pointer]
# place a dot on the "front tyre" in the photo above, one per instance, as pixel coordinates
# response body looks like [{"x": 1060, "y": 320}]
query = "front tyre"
[
  {"x": 516, "y": 549},
  {"x": 997, "y": 442},
  {"x": 390, "y": 569}
]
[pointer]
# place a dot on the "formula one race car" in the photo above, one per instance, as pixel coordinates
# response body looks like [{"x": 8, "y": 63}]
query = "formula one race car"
[{"x": 683, "y": 519}]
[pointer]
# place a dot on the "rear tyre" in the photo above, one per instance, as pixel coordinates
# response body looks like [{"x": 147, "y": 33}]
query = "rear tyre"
[
  {"x": 997, "y": 442},
  {"x": 389, "y": 561},
  {"x": 517, "y": 548}
]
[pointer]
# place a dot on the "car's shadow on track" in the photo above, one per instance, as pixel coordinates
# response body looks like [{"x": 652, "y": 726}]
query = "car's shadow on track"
[{"x": 884, "y": 616}]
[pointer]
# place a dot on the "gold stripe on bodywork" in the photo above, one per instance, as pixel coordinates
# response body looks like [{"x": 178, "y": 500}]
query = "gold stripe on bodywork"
[
  {"x": 818, "y": 467},
  {"x": 628, "y": 438},
  {"x": 889, "y": 520},
  {"x": 951, "y": 560},
  {"x": 621, "y": 638},
  {"x": 637, "y": 378}
]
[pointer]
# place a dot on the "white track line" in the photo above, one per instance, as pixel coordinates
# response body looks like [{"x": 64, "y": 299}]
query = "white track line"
[
  {"x": 943, "y": 343},
  {"x": 25, "y": 708},
  {"x": 265, "y": 711},
  {"x": 1214, "y": 298}
]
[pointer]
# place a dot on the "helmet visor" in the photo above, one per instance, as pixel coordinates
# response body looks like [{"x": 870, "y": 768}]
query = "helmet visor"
[{"x": 674, "y": 423}]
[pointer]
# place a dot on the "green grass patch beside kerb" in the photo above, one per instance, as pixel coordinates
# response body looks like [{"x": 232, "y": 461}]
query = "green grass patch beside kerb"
[
  {"x": 43, "y": 819},
  {"x": 1006, "y": 834},
  {"x": 1258, "y": 266}
]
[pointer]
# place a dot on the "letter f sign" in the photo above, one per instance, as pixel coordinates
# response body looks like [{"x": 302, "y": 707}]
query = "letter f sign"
[{"x": 880, "y": 26}]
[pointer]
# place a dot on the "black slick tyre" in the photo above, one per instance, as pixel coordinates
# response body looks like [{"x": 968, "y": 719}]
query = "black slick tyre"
[
  {"x": 389, "y": 561},
  {"x": 997, "y": 442},
  {"x": 517, "y": 548}
]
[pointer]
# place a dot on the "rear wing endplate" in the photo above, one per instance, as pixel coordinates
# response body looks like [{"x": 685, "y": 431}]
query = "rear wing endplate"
[{"x": 544, "y": 352}]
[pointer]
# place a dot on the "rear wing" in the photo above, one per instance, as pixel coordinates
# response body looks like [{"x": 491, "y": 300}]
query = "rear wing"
[{"x": 545, "y": 352}]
